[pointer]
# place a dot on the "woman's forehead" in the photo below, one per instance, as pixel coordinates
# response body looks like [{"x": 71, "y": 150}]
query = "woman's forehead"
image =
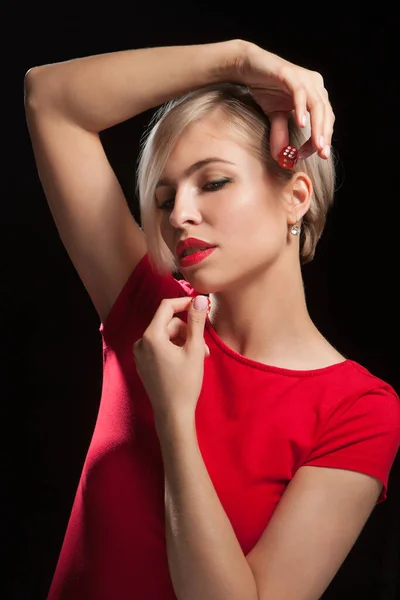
[{"x": 205, "y": 138}]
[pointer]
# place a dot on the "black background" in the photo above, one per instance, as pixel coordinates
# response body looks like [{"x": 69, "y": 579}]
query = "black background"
[{"x": 51, "y": 346}]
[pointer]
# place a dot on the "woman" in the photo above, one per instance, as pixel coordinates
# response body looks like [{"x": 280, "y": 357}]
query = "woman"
[{"x": 236, "y": 453}]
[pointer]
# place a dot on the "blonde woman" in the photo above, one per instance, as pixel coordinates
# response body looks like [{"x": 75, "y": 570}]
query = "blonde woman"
[{"x": 237, "y": 454}]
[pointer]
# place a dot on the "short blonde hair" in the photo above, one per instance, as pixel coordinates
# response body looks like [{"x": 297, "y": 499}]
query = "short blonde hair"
[{"x": 246, "y": 121}]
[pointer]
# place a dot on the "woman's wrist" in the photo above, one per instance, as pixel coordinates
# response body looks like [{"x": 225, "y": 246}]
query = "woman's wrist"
[{"x": 229, "y": 65}]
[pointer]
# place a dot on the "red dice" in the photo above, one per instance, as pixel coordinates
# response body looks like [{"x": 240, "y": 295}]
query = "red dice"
[{"x": 288, "y": 157}]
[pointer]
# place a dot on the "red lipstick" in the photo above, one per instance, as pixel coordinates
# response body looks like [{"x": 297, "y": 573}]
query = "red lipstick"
[{"x": 194, "y": 259}]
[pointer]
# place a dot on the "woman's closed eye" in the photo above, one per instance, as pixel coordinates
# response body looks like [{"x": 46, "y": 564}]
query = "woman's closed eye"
[
  {"x": 216, "y": 184},
  {"x": 210, "y": 186}
]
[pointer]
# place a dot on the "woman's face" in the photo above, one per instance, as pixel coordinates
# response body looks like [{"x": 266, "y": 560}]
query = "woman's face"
[{"x": 214, "y": 189}]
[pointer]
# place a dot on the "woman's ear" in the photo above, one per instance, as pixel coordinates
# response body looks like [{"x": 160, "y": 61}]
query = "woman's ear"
[{"x": 299, "y": 192}]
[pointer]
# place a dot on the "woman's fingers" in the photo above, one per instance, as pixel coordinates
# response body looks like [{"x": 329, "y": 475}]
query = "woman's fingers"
[
  {"x": 329, "y": 124},
  {"x": 299, "y": 89},
  {"x": 177, "y": 331},
  {"x": 300, "y": 105},
  {"x": 322, "y": 120},
  {"x": 316, "y": 106},
  {"x": 306, "y": 149},
  {"x": 279, "y": 133},
  {"x": 322, "y": 117}
]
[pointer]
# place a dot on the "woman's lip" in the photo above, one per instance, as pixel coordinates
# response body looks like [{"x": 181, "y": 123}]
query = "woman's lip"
[
  {"x": 200, "y": 250},
  {"x": 192, "y": 259}
]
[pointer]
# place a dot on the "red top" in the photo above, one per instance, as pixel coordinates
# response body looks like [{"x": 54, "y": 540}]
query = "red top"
[{"x": 256, "y": 425}]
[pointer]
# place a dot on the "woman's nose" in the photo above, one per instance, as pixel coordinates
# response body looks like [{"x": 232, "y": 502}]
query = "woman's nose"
[{"x": 185, "y": 209}]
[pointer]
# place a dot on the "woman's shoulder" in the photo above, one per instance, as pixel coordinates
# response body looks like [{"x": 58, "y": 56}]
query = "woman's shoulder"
[
  {"x": 349, "y": 374},
  {"x": 369, "y": 379},
  {"x": 352, "y": 389}
]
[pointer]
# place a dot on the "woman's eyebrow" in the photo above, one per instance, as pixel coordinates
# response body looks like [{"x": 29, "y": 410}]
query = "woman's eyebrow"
[{"x": 195, "y": 167}]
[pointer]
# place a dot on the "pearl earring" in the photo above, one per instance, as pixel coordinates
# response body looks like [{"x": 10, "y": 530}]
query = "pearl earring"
[{"x": 295, "y": 230}]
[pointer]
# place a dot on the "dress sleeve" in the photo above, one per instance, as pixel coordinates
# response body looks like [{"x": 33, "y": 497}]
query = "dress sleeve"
[
  {"x": 139, "y": 299},
  {"x": 361, "y": 435}
]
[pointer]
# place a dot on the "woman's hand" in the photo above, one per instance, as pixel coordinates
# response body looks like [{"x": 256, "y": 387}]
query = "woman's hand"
[
  {"x": 279, "y": 87},
  {"x": 170, "y": 359}
]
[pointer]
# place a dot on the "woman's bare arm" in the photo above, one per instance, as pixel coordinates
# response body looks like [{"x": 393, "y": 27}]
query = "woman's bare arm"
[{"x": 67, "y": 105}]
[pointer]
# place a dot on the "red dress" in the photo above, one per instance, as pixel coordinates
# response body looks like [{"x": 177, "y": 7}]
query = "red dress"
[{"x": 256, "y": 425}]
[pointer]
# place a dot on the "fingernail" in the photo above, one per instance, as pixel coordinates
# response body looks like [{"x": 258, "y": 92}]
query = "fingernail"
[
  {"x": 303, "y": 120},
  {"x": 321, "y": 141},
  {"x": 202, "y": 303},
  {"x": 326, "y": 151}
]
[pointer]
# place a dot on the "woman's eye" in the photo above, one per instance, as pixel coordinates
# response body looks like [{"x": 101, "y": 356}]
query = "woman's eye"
[
  {"x": 164, "y": 206},
  {"x": 210, "y": 186},
  {"x": 216, "y": 184}
]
